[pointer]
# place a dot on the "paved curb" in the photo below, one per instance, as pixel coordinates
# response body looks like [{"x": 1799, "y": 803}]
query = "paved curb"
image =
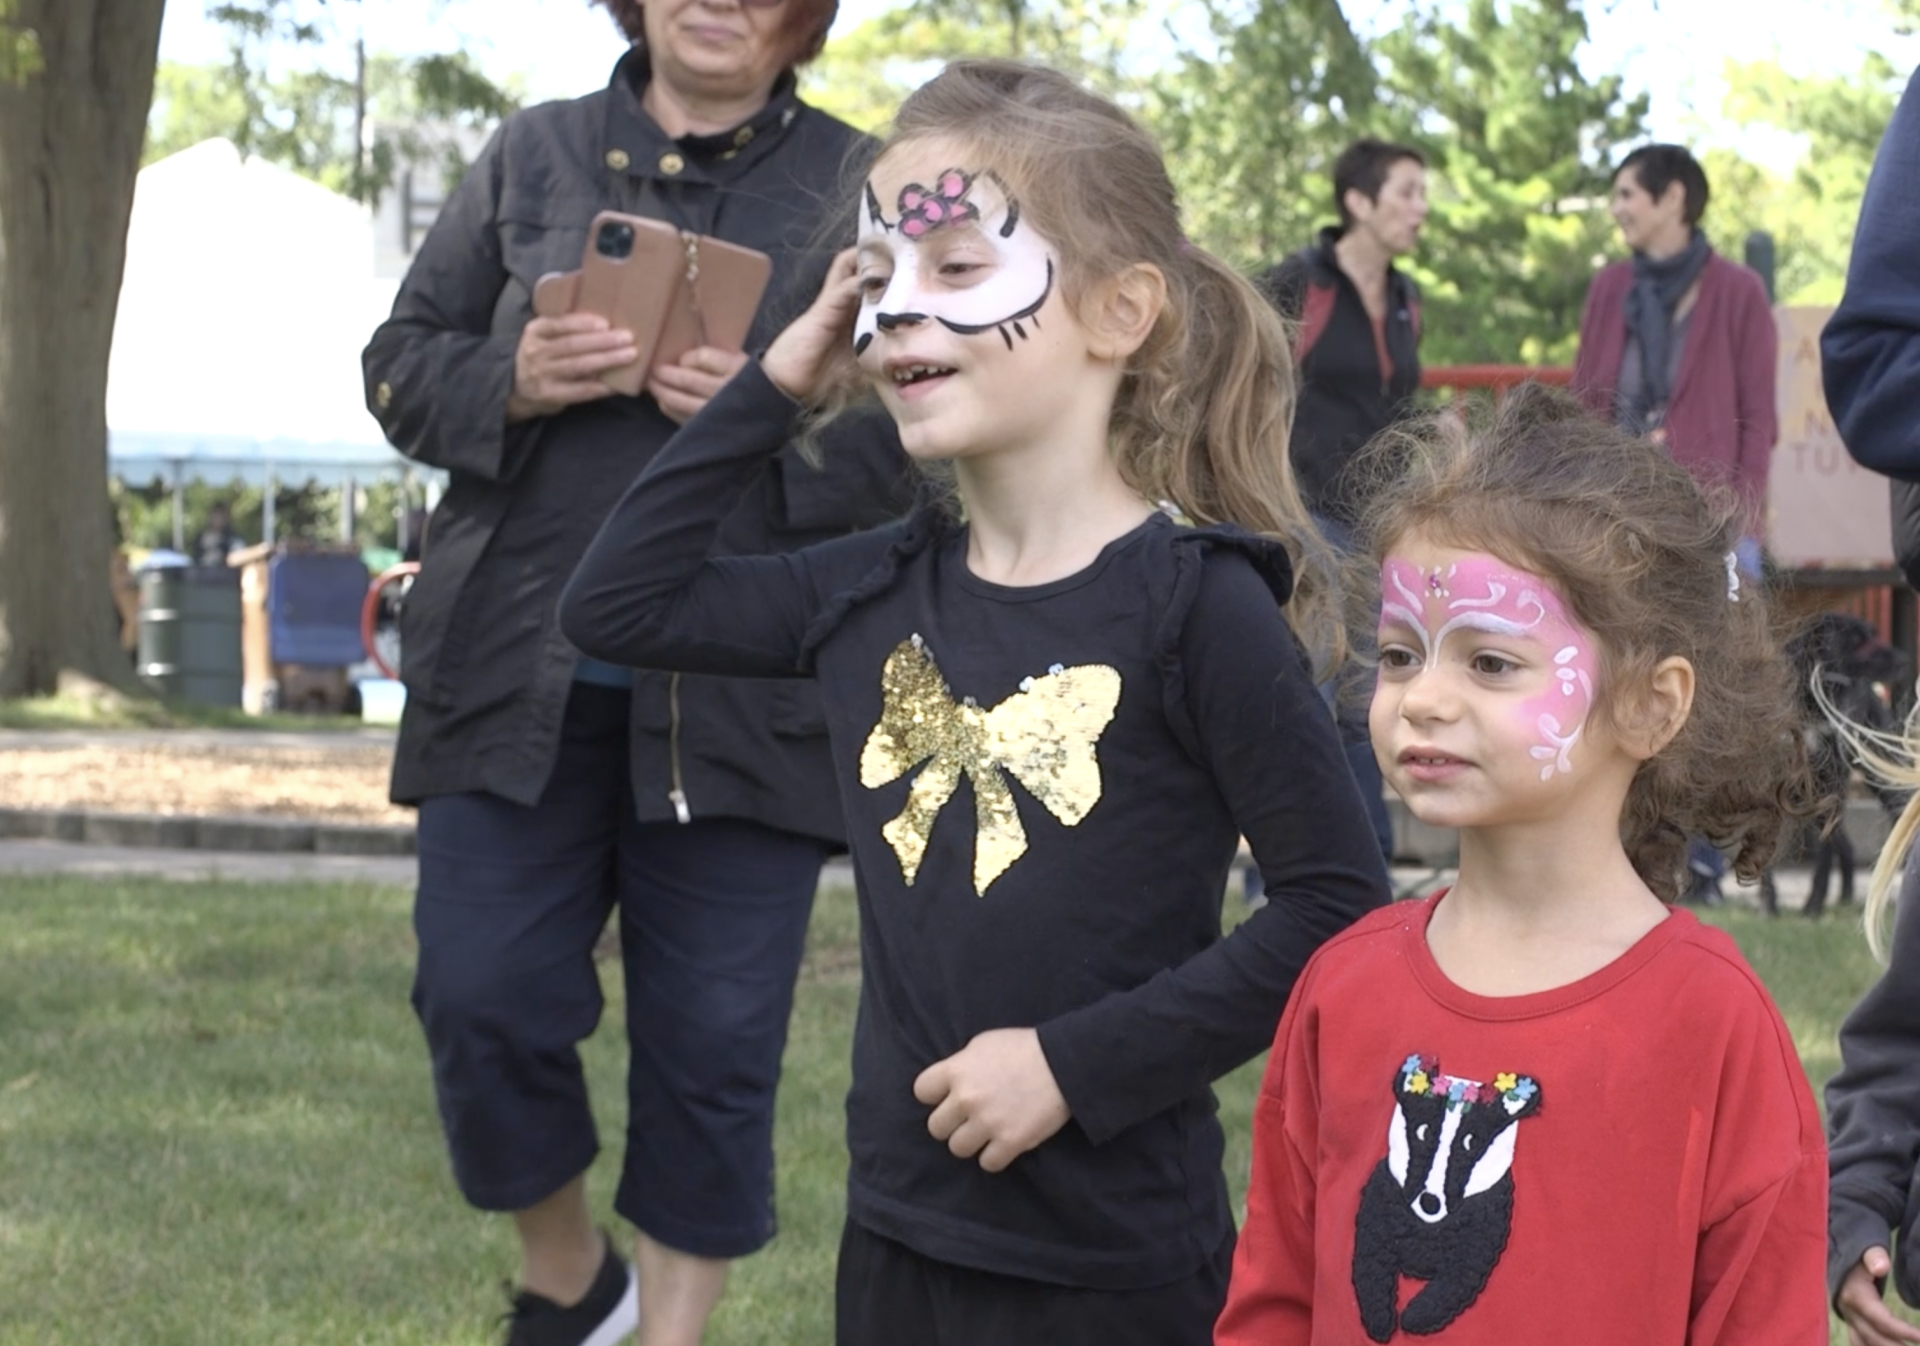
[{"x": 176, "y": 832}]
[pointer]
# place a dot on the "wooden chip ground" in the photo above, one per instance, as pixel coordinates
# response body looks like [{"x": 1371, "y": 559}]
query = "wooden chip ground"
[{"x": 346, "y": 784}]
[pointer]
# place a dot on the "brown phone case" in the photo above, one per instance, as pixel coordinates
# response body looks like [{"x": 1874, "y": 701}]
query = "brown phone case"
[{"x": 674, "y": 291}]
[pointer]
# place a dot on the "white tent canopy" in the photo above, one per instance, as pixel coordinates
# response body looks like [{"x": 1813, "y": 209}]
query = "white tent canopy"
[{"x": 249, "y": 293}]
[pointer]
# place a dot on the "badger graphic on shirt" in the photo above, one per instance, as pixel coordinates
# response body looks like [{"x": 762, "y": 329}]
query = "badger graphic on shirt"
[{"x": 1439, "y": 1206}]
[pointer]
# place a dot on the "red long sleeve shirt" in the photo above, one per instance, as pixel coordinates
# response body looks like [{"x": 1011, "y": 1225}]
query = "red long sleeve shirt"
[{"x": 1631, "y": 1158}]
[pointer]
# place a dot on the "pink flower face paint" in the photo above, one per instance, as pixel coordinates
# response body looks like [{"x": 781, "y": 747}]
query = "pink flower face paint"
[{"x": 1484, "y": 595}]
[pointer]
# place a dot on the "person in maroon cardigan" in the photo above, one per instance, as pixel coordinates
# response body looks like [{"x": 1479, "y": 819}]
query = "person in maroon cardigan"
[{"x": 1678, "y": 342}]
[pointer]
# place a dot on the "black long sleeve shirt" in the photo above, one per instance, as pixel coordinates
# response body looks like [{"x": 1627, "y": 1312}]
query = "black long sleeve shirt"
[{"x": 1044, "y": 787}]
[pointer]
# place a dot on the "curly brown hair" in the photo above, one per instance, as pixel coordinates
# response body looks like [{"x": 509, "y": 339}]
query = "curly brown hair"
[
  {"x": 803, "y": 25},
  {"x": 1642, "y": 556}
]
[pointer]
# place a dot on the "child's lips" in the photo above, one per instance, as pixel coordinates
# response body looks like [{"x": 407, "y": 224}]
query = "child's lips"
[
  {"x": 1431, "y": 764},
  {"x": 912, "y": 379}
]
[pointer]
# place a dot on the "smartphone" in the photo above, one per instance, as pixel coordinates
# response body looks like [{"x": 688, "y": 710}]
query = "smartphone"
[{"x": 674, "y": 290}]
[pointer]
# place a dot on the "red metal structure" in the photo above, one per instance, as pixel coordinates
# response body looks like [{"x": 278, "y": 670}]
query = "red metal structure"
[
  {"x": 402, "y": 575},
  {"x": 1495, "y": 378}
]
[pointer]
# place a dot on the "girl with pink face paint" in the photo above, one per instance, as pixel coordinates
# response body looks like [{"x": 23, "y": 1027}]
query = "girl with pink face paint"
[{"x": 1545, "y": 1096}]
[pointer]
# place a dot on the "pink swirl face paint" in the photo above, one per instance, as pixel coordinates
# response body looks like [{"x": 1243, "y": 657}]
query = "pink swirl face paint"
[{"x": 1483, "y": 595}]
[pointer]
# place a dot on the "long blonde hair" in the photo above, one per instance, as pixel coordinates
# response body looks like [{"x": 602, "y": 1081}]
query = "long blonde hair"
[
  {"x": 1894, "y": 761},
  {"x": 1204, "y": 409}
]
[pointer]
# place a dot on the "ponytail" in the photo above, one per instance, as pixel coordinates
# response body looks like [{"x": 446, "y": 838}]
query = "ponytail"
[{"x": 1203, "y": 418}]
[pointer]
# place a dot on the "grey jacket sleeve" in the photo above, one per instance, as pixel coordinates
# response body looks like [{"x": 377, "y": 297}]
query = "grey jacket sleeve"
[
  {"x": 1873, "y": 1109},
  {"x": 439, "y": 370}
]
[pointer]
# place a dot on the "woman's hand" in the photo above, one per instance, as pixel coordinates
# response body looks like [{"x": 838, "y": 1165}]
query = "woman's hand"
[
  {"x": 559, "y": 362},
  {"x": 1869, "y": 1323},
  {"x": 686, "y": 385},
  {"x": 800, "y": 357},
  {"x": 996, "y": 1097}
]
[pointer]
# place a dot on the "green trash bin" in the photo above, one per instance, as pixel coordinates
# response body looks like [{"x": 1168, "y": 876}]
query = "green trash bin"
[{"x": 189, "y": 647}]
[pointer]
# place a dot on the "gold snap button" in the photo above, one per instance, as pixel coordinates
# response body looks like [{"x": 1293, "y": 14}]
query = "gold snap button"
[
  {"x": 671, "y": 163},
  {"x": 383, "y": 395},
  {"x": 617, "y": 160},
  {"x": 743, "y": 135}
]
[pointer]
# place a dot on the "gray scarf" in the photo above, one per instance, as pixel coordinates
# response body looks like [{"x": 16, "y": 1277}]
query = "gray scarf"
[{"x": 1656, "y": 293}]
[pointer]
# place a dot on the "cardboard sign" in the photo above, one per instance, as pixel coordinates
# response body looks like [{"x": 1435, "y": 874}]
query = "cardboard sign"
[{"x": 1823, "y": 509}]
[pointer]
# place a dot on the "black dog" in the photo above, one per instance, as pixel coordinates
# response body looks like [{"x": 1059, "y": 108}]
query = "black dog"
[{"x": 1849, "y": 661}]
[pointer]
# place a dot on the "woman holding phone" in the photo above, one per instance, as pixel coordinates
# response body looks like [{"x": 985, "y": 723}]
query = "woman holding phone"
[{"x": 552, "y": 790}]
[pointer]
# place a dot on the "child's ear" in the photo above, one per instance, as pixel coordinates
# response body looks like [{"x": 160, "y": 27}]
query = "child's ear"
[
  {"x": 1663, "y": 710},
  {"x": 1124, "y": 310}
]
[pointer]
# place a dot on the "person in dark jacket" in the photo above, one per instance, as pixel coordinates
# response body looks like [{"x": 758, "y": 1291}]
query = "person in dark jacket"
[
  {"x": 217, "y": 541},
  {"x": 553, "y": 790},
  {"x": 1356, "y": 356},
  {"x": 1870, "y": 350},
  {"x": 1870, "y": 365},
  {"x": 1357, "y": 344}
]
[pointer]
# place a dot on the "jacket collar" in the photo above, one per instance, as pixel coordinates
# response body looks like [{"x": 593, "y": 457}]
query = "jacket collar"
[
  {"x": 635, "y": 144},
  {"x": 1329, "y": 261}
]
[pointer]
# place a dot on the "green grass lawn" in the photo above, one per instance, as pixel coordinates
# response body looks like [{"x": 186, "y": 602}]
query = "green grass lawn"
[{"x": 216, "y": 1125}]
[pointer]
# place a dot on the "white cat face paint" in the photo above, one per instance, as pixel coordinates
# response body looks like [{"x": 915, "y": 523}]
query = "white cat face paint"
[
  {"x": 954, "y": 250},
  {"x": 1529, "y": 664}
]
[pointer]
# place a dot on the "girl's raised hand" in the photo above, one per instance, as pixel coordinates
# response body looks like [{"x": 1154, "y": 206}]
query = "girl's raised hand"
[
  {"x": 800, "y": 357},
  {"x": 1869, "y": 1322}
]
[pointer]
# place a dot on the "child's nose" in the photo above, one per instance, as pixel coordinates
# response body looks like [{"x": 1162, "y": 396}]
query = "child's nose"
[
  {"x": 1429, "y": 694},
  {"x": 899, "y": 304}
]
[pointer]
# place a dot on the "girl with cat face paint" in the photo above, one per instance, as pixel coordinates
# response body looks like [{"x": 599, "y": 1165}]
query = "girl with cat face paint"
[{"x": 1054, "y": 708}]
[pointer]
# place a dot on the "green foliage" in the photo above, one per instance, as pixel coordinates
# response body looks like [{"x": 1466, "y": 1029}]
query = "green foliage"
[
  {"x": 1252, "y": 126},
  {"x": 20, "y": 57},
  {"x": 1518, "y": 143},
  {"x": 862, "y": 75},
  {"x": 143, "y": 511},
  {"x": 350, "y": 131},
  {"x": 1811, "y": 211},
  {"x": 1254, "y": 107},
  {"x": 191, "y": 103}
]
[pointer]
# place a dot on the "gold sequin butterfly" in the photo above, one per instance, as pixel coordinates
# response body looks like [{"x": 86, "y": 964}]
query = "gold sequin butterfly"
[{"x": 1042, "y": 736}]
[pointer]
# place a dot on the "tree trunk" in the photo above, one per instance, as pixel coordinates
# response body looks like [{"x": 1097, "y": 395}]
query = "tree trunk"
[{"x": 70, "y": 140}]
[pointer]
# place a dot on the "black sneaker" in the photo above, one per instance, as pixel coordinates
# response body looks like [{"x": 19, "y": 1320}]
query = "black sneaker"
[{"x": 608, "y": 1313}]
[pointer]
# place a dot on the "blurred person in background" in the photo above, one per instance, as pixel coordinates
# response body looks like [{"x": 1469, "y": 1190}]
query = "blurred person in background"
[
  {"x": 217, "y": 540},
  {"x": 1357, "y": 359},
  {"x": 1678, "y": 343}
]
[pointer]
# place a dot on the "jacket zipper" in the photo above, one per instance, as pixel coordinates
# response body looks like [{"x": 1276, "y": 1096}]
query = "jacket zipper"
[{"x": 678, "y": 794}]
